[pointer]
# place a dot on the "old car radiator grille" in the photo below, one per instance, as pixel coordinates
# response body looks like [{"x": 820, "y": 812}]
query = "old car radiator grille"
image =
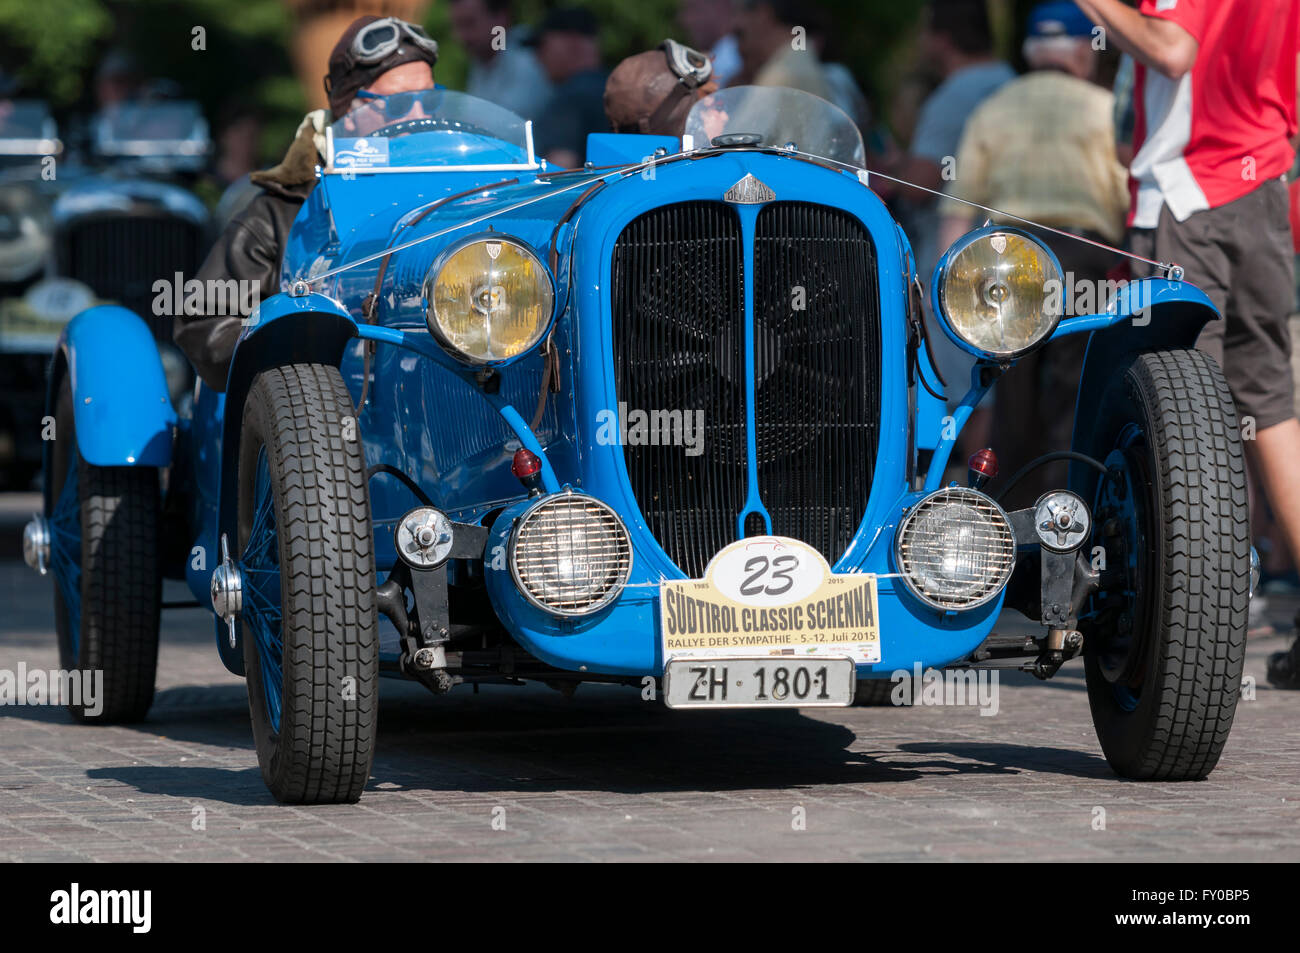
[
  {"x": 679, "y": 328},
  {"x": 120, "y": 258},
  {"x": 679, "y": 340},
  {"x": 817, "y": 371}
]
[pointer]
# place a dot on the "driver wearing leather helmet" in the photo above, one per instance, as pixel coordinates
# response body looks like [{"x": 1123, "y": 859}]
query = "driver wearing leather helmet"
[
  {"x": 375, "y": 57},
  {"x": 651, "y": 93}
]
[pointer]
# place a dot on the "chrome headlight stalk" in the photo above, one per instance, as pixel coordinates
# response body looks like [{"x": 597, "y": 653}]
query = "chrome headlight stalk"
[
  {"x": 955, "y": 549},
  {"x": 570, "y": 554}
]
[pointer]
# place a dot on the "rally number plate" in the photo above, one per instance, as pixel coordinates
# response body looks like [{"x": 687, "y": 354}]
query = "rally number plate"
[{"x": 759, "y": 682}]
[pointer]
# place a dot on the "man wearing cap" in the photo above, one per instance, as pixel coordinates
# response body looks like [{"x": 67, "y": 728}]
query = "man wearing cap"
[
  {"x": 376, "y": 56},
  {"x": 568, "y": 48},
  {"x": 1215, "y": 94},
  {"x": 651, "y": 93},
  {"x": 1043, "y": 148}
]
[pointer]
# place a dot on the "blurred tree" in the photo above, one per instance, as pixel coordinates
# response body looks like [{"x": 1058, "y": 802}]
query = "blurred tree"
[{"x": 52, "y": 63}]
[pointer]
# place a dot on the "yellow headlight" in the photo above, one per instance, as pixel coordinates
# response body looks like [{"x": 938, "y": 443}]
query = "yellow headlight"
[
  {"x": 996, "y": 293},
  {"x": 490, "y": 301}
]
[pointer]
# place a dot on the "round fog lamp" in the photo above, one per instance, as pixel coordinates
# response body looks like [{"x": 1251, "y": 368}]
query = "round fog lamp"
[
  {"x": 956, "y": 549},
  {"x": 570, "y": 554}
]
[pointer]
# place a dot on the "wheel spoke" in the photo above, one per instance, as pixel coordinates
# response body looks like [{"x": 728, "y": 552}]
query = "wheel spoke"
[
  {"x": 259, "y": 565},
  {"x": 65, "y": 552}
]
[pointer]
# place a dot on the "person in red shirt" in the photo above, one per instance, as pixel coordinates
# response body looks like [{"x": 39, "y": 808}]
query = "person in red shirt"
[{"x": 1215, "y": 97}]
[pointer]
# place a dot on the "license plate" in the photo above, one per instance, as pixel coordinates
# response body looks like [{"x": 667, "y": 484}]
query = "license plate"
[{"x": 759, "y": 682}]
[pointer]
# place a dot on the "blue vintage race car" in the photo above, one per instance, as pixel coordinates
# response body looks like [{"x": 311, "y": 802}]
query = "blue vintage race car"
[{"x": 667, "y": 420}]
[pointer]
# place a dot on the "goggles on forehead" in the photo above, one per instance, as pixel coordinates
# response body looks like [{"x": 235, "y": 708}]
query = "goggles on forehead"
[
  {"x": 380, "y": 39},
  {"x": 691, "y": 67}
]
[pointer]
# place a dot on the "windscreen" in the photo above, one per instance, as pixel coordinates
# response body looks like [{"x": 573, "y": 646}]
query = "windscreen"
[{"x": 778, "y": 115}]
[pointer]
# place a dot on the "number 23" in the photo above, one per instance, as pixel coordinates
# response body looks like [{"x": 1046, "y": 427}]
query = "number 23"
[{"x": 780, "y": 567}]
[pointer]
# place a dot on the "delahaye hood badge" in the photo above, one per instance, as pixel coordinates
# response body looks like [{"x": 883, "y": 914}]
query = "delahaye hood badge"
[{"x": 749, "y": 191}]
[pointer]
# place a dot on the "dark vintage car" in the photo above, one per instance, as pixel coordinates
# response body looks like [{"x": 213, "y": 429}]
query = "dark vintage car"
[{"x": 99, "y": 227}]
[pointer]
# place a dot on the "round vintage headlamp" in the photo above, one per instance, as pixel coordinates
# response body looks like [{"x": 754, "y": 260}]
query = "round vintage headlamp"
[
  {"x": 999, "y": 292},
  {"x": 570, "y": 554},
  {"x": 955, "y": 549},
  {"x": 1062, "y": 521},
  {"x": 489, "y": 300}
]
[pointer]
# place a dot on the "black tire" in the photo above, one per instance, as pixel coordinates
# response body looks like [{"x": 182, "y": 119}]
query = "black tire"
[
  {"x": 325, "y": 744},
  {"x": 1164, "y": 653},
  {"x": 120, "y": 587}
]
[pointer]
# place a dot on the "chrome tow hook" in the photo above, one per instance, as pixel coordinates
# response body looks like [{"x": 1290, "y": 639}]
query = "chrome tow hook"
[
  {"x": 36, "y": 543},
  {"x": 227, "y": 591}
]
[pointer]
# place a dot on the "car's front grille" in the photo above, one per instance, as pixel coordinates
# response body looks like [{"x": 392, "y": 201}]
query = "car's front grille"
[
  {"x": 679, "y": 327},
  {"x": 120, "y": 258},
  {"x": 817, "y": 366},
  {"x": 679, "y": 346}
]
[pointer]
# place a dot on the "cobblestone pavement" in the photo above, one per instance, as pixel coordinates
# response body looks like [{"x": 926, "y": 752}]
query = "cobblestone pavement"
[{"x": 606, "y": 776}]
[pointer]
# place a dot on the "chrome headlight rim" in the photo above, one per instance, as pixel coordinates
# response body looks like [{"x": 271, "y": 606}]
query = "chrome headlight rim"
[
  {"x": 431, "y": 279},
  {"x": 521, "y": 522},
  {"x": 961, "y": 494},
  {"x": 938, "y": 301}
]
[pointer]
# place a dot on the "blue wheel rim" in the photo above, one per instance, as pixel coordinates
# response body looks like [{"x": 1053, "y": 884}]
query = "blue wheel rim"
[
  {"x": 259, "y": 565},
  {"x": 65, "y": 554}
]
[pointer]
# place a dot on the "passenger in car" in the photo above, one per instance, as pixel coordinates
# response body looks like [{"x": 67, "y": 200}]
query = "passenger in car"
[
  {"x": 652, "y": 92},
  {"x": 375, "y": 56}
]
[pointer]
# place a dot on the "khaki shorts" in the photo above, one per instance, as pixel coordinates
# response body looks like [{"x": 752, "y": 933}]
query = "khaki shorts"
[{"x": 1241, "y": 256}]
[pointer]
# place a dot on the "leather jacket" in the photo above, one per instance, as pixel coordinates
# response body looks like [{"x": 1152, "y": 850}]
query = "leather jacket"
[{"x": 250, "y": 249}]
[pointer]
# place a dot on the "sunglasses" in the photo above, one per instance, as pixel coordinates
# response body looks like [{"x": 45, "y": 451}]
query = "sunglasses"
[{"x": 394, "y": 105}]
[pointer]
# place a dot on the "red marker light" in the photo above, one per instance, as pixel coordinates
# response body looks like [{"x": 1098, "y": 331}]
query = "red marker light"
[
  {"x": 526, "y": 464},
  {"x": 983, "y": 466},
  {"x": 984, "y": 462}
]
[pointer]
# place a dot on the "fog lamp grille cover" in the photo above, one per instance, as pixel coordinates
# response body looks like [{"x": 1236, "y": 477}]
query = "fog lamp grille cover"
[
  {"x": 956, "y": 549},
  {"x": 570, "y": 555}
]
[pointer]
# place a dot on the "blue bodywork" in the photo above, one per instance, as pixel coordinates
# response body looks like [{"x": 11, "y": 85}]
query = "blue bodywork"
[
  {"x": 119, "y": 393},
  {"x": 427, "y": 416}
]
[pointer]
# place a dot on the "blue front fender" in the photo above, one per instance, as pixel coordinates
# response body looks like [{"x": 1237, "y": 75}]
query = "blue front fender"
[
  {"x": 1147, "y": 314},
  {"x": 120, "y": 403}
]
